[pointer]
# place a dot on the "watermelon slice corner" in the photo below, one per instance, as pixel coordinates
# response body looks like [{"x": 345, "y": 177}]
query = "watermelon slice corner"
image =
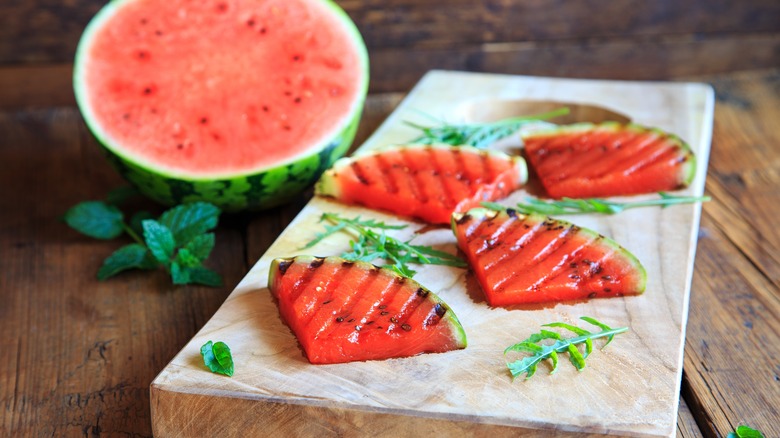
[
  {"x": 521, "y": 259},
  {"x": 343, "y": 311},
  {"x": 585, "y": 160}
]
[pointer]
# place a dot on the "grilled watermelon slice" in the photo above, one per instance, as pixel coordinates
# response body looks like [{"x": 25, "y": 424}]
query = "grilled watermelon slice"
[
  {"x": 428, "y": 182},
  {"x": 608, "y": 159},
  {"x": 526, "y": 259},
  {"x": 343, "y": 311}
]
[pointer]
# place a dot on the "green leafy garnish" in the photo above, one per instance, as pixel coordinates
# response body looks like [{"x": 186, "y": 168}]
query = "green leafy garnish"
[
  {"x": 539, "y": 352},
  {"x": 179, "y": 239},
  {"x": 745, "y": 432},
  {"x": 217, "y": 358},
  {"x": 593, "y": 205},
  {"x": 371, "y": 245},
  {"x": 479, "y": 135}
]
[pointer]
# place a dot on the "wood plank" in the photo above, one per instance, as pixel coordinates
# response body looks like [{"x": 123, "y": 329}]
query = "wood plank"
[
  {"x": 686, "y": 424},
  {"x": 47, "y": 31},
  {"x": 634, "y": 390},
  {"x": 81, "y": 353},
  {"x": 731, "y": 367},
  {"x": 636, "y": 59}
]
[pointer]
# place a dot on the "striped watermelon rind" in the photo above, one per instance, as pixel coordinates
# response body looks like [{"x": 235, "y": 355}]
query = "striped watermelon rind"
[
  {"x": 452, "y": 326},
  {"x": 687, "y": 170},
  {"x": 636, "y": 284},
  {"x": 259, "y": 189}
]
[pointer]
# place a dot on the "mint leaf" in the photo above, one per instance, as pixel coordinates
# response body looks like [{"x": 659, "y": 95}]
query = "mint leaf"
[
  {"x": 127, "y": 257},
  {"x": 160, "y": 241},
  {"x": 179, "y": 274},
  {"x": 186, "y": 259},
  {"x": 200, "y": 246},
  {"x": 217, "y": 357},
  {"x": 745, "y": 432},
  {"x": 95, "y": 219},
  {"x": 189, "y": 220},
  {"x": 205, "y": 276}
]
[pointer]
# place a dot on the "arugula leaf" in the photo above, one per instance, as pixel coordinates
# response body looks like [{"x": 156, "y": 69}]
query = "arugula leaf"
[
  {"x": 217, "y": 357},
  {"x": 127, "y": 257},
  {"x": 479, "y": 135},
  {"x": 189, "y": 220},
  {"x": 539, "y": 352},
  {"x": 179, "y": 240},
  {"x": 160, "y": 241},
  {"x": 371, "y": 245},
  {"x": 593, "y": 205},
  {"x": 96, "y": 219},
  {"x": 745, "y": 432}
]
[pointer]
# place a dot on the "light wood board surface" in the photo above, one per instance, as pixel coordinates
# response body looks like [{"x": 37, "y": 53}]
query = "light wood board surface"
[{"x": 630, "y": 388}]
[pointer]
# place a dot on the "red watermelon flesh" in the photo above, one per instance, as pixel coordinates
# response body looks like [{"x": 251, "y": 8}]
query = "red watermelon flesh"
[
  {"x": 608, "y": 159},
  {"x": 423, "y": 181},
  {"x": 527, "y": 259},
  {"x": 343, "y": 311},
  {"x": 221, "y": 88}
]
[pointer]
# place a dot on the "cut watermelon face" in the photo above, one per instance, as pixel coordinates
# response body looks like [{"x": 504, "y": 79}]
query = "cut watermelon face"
[
  {"x": 240, "y": 103},
  {"x": 423, "y": 181},
  {"x": 608, "y": 159},
  {"x": 528, "y": 259},
  {"x": 343, "y": 311}
]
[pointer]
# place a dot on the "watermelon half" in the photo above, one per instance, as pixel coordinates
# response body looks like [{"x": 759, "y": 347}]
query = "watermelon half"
[
  {"x": 343, "y": 311},
  {"x": 608, "y": 159},
  {"x": 242, "y": 103},
  {"x": 527, "y": 259},
  {"x": 428, "y": 182}
]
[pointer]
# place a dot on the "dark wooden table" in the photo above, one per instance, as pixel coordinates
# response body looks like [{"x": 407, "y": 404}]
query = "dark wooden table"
[{"x": 79, "y": 354}]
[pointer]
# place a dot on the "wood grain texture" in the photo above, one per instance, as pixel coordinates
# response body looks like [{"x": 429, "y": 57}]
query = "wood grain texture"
[
  {"x": 634, "y": 389},
  {"x": 731, "y": 357},
  {"x": 80, "y": 353}
]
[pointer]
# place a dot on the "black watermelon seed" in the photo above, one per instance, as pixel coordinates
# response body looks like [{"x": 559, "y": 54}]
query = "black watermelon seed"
[
  {"x": 393, "y": 320},
  {"x": 406, "y": 327},
  {"x": 340, "y": 319},
  {"x": 357, "y": 328},
  {"x": 326, "y": 302},
  {"x": 440, "y": 310},
  {"x": 347, "y": 263},
  {"x": 284, "y": 265},
  {"x": 316, "y": 263},
  {"x": 511, "y": 212},
  {"x": 383, "y": 313},
  {"x": 592, "y": 295},
  {"x": 463, "y": 219},
  {"x": 383, "y": 306},
  {"x": 422, "y": 293},
  {"x": 351, "y": 320}
]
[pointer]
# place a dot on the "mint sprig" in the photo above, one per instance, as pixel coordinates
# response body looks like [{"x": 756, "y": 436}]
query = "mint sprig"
[
  {"x": 179, "y": 240},
  {"x": 217, "y": 357}
]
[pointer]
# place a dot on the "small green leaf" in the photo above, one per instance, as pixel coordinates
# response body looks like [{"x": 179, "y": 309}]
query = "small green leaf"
[
  {"x": 186, "y": 259},
  {"x": 200, "y": 246},
  {"x": 189, "y": 220},
  {"x": 205, "y": 276},
  {"x": 745, "y": 432},
  {"x": 217, "y": 357},
  {"x": 160, "y": 241},
  {"x": 130, "y": 256},
  {"x": 95, "y": 219},
  {"x": 179, "y": 273}
]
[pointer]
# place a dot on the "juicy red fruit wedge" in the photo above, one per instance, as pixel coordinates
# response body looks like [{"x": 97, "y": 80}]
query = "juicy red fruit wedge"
[
  {"x": 528, "y": 259},
  {"x": 343, "y": 311},
  {"x": 608, "y": 159},
  {"x": 423, "y": 181}
]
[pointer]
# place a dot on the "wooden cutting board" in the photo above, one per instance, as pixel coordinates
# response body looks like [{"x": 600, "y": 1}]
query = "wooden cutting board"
[{"x": 630, "y": 388}]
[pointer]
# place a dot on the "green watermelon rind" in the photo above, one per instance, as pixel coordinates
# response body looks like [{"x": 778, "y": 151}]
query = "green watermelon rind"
[
  {"x": 621, "y": 254},
  {"x": 257, "y": 189},
  {"x": 688, "y": 170},
  {"x": 456, "y": 328},
  {"x": 328, "y": 183}
]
